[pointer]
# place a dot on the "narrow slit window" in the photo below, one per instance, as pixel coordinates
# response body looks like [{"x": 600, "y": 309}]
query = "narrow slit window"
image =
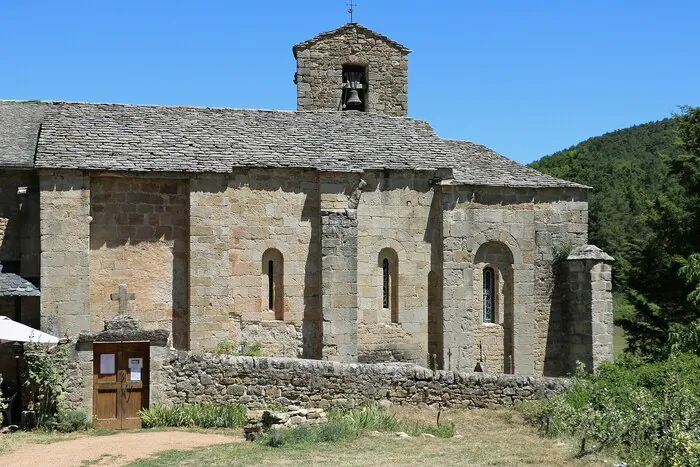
[
  {"x": 272, "y": 290},
  {"x": 385, "y": 283},
  {"x": 271, "y": 285},
  {"x": 489, "y": 295}
]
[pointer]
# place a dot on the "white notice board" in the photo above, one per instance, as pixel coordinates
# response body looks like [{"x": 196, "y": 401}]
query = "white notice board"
[
  {"x": 135, "y": 365},
  {"x": 107, "y": 364}
]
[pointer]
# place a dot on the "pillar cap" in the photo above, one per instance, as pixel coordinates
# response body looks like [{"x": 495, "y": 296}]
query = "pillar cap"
[{"x": 591, "y": 252}]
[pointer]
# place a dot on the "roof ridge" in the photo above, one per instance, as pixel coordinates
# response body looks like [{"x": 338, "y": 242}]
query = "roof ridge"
[{"x": 323, "y": 35}]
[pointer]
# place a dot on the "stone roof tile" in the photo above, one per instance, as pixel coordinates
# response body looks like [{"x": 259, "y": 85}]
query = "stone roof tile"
[
  {"x": 347, "y": 27},
  {"x": 478, "y": 165},
  {"x": 189, "y": 139},
  {"x": 141, "y": 138},
  {"x": 19, "y": 129},
  {"x": 12, "y": 285}
]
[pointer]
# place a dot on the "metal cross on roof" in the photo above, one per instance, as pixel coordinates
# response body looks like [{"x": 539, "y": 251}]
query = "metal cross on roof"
[{"x": 351, "y": 10}]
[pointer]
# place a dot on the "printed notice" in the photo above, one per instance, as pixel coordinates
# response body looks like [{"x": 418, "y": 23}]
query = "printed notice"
[
  {"x": 107, "y": 364},
  {"x": 135, "y": 365}
]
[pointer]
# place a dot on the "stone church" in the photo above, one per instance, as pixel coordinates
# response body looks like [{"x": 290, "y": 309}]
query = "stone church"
[{"x": 343, "y": 231}]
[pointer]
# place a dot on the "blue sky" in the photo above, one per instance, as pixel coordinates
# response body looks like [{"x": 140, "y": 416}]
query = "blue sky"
[{"x": 526, "y": 78}]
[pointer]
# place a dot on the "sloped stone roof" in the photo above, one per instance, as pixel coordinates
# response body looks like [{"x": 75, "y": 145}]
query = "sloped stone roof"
[
  {"x": 478, "y": 165},
  {"x": 189, "y": 139},
  {"x": 12, "y": 285},
  {"x": 141, "y": 138},
  {"x": 19, "y": 129},
  {"x": 344, "y": 28}
]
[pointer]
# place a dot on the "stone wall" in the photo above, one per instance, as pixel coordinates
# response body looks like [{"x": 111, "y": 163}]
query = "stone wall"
[
  {"x": 394, "y": 214},
  {"x": 561, "y": 223},
  {"x": 65, "y": 248},
  {"x": 10, "y": 220},
  {"x": 210, "y": 264},
  {"x": 475, "y": 217},
  {"x": 256, "y": 382},
  {"x": 275, "y": 211},
  {"x": 138, "y": 237},
  {"x": 320, "y": 69},
  {"x": 588, "y": 322},
  {"x": 530, "y": 224}
]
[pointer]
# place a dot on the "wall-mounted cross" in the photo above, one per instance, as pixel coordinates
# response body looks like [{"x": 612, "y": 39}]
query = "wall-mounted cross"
[{"x": 122, "y": 296}]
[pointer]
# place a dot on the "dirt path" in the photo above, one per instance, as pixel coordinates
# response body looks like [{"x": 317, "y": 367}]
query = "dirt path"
[{"x": 109, "y": 450}]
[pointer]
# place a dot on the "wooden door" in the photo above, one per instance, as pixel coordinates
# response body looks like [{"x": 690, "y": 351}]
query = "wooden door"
[{"x": 120, "y": 383}]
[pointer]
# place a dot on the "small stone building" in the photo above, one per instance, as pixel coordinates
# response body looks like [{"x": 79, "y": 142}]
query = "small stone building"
[{"x": 343, "y": 231}]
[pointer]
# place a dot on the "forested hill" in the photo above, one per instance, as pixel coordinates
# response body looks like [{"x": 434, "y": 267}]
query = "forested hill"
[{"x": 626, "y": 172}]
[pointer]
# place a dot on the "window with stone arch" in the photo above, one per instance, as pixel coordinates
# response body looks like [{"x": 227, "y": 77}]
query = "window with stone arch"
[
  {"x": 273, "y": 285},
  {"x": 488, "y": 287},
  {"x": 389, "y": 266}
]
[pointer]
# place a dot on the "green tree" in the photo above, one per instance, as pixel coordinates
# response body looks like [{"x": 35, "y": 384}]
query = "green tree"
[{"x": 666, "y": 273}]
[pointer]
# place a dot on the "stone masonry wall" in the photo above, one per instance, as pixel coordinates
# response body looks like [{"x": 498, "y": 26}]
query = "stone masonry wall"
[
  {"x": 588, "y": 323},
  {"x": 65, "y": 251},
  {"x": 476, "y": 216},
  {"x": 320, "y": 69},
  {"x": 10, "y": 222},
  {"x": 138, "y": 237},
  {"x": 561, "y": 222},
  {"x": 275, "y": 209},
  {"x": 210, "y": 265},
  {"x": 256, "y": 382},
  {"x": 394, "y": 213}
]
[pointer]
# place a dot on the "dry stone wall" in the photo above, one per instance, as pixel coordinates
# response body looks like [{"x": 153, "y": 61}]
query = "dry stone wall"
[{"x": 258, "y": 382}]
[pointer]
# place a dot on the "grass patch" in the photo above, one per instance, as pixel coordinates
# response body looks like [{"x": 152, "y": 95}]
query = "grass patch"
[
  {"x": 488, "y": 437},
  {"x": 619, "y": 341},
  {"x": 348, "y": 425},
  {"x": 203, "y": 415}
]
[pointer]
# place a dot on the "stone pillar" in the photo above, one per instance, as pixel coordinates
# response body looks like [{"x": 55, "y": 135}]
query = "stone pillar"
[
  {"x": 590, "y": 309},
  {"x": 65, "y": 251},
  {"x": 210, "y": 266},
  {"x": 339, "y": 284}
]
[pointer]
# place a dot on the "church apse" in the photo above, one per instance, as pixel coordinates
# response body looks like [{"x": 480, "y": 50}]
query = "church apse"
[{"x": 138, "y": 237}]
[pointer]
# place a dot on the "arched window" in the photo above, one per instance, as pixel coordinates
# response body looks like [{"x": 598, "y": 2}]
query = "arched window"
[
  {"x": 489, "y": 294},
  {"x": 273, "y": 284},
  {"x": 389, "y": 262}
]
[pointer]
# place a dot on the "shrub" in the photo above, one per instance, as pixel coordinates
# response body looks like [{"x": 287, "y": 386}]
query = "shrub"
[
  {"x": 203, "y": 415},
  {"x": 648, "y": 412},
  {"x": 47, "y": 368},
  {"x": 71, "y": 420},
  {"x": 245, "y": 348}
]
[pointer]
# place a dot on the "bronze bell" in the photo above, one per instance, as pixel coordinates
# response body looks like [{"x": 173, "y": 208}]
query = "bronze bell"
[{"x": 353, "y": 99}]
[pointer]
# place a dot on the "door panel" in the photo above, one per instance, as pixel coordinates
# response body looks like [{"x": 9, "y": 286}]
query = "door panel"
[
  {"x": 120, "y": 383},
  {"x": 135, "y": 396}
]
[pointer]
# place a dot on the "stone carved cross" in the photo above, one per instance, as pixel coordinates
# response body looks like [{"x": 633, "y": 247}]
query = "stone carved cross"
[{"x": 122, "y": 296}]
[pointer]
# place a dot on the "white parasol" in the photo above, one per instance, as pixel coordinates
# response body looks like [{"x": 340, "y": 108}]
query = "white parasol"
[{"x": 12, "y": 331}]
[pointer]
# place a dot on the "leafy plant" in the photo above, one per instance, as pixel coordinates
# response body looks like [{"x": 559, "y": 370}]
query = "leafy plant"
[
  {"x": 648, "y": 412},
  {"x": 71, "y": 420},
  {"x": 245, "y": 348},
  {"x": 47, "y": 368},
  {"x": 203, "y": 415},
  {"x": 3, "y": 405}
]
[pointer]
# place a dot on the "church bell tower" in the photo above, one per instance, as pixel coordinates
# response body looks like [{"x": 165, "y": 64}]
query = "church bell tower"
[{"x": 352, "y": 68}]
